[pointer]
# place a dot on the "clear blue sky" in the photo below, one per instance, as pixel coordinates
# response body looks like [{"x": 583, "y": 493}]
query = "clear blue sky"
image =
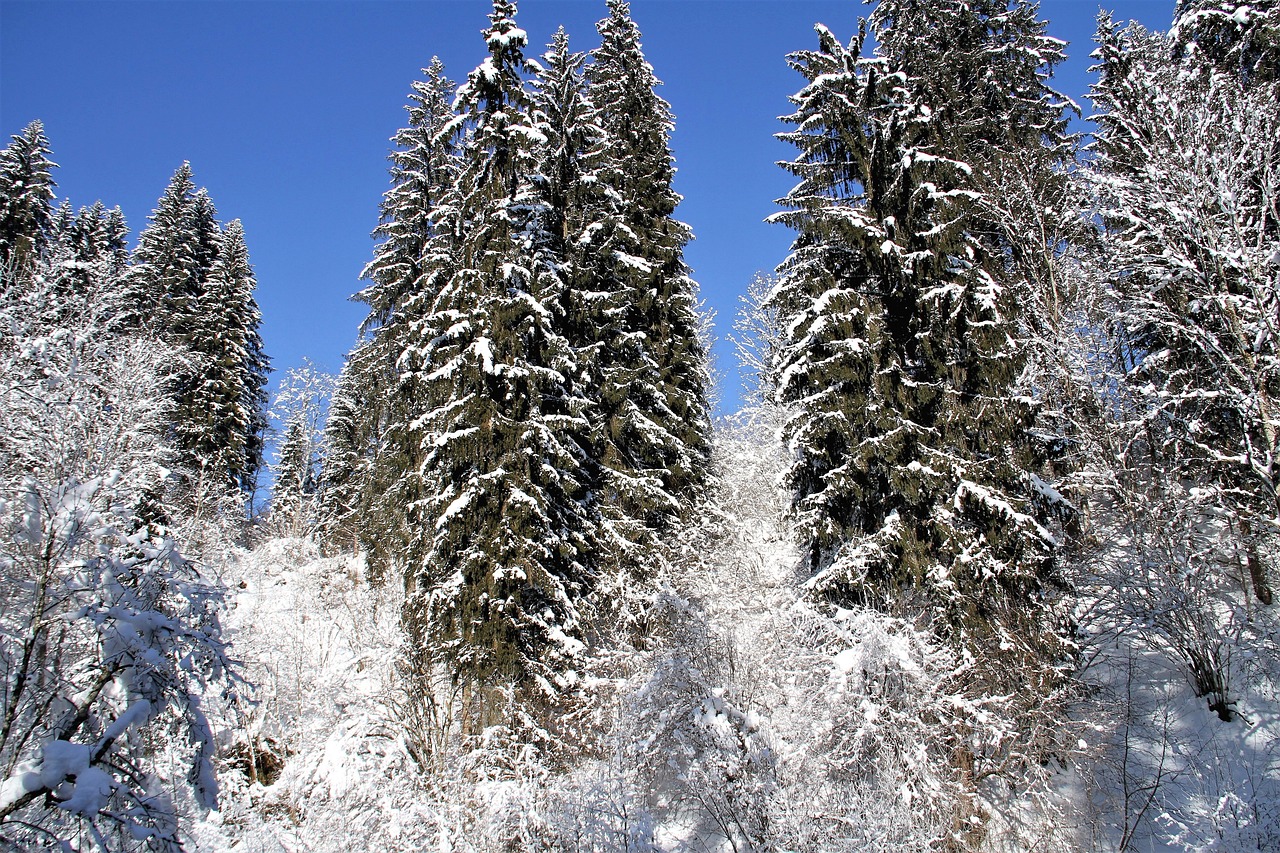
[{"x": 285, "y": 108}]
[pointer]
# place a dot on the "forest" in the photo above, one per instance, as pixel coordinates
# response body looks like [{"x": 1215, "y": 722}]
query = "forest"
[{"x": 986, "y": 561}]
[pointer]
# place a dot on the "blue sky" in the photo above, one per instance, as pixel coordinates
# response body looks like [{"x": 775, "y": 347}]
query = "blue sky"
[{"x": 284, "y": 109}]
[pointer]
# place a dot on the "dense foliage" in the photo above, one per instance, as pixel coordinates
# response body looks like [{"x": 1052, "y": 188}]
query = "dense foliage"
[{"x": 988, "y": 562}]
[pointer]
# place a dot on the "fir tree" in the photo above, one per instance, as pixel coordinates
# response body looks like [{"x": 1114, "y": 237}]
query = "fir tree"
[
  {"x": 915, "y": 480},
  {"x": 26, "y": 195},
  {"x": 89, "y": 258},
  {"x": 192, "y": 286},
  {"x": 295, "y": 478},
  {"x": 1238, "y": 38},
  {"x": 403, "y": 277},
  {"x": 235, "y": 389},
  {"x": 572, "y": 148},
  {"x": 170, "y": 263},
  {"x": 348, "y": 446},
  {"x": 504, "y": 554},
  {"x": 641, "y": 331}
]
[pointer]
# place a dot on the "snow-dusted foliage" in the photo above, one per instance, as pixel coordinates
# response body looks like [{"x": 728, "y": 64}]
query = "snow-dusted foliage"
[
  {"x": 314, "y": 755},
  {"x": 918, "y": 476},
  {"x": 987, "y": 564},
  {"x": 504, "y": 531},
  {"x": 1177, "y": 560},
  {"x": 301, "y": 405},
  {"x": 751, "y": 720},
  {"x": 108, "y": 638},
  {"x": 1189, "y": 182},
  {"x": 639, "y": 318}
]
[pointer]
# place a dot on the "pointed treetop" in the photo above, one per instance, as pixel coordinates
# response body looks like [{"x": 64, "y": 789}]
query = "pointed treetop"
[
  {"x": 183, "y": 177},
  {"x": 26, "y": 194},
  {"x": 503, "y": 31}
]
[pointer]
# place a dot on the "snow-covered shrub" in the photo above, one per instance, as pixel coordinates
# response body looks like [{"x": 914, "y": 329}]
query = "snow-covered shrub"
[
  {"x": 108, "y": 638},
  {"x": 318, "y": 644}
]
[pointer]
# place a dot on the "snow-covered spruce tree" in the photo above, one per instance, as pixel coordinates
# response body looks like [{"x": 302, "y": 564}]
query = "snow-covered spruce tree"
[
  {"x": 915, "y": 481},
  {"x": 295, "y": 479},
  {"x": 26, "y": 196},
  {"x": 108, "y": 639},
  {"x": 222, "y": 416},
  {"x": 1237, "y": 37},
  {"x": 505, "y": 530},
  {"x": 641, "y": 327},
  {"x": 86, "y": 257},
  {"x": 1187, "y": 167},
  {"x": 371, "y": 476},
  {"x": 347, "y": 456},
  {"x": 565, "y": 117},
  {"x": 192, "y": 285}
]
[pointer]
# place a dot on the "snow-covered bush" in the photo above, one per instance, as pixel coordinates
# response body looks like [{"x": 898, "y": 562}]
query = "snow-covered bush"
[{"x": 108, "y": 638}]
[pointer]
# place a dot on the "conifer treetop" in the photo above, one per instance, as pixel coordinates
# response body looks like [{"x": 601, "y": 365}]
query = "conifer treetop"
[{"x": 26, "y": 194}]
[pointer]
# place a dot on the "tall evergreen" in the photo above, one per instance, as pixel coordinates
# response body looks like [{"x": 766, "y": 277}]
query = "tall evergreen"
[
  {"x": 645, "y": 356},
  {"x": 1238, "y": 38},
  {"x": 89, "y": 256},
  {"x": 403, "y": 278},
  {"x": 171, "y": 262},
  {"x": 192, "y": 285},
  {"x": 26, "y": 196},
  {"x": 571, "y": 151},
  {"x": 505, "y": 551},
  {"x": 423, "y": 166},
  {"x": 295, "y": 478},
  {"x": 915, "y": 480},
  {"x": 234, "y": 389},
  {"x": 345, "y": 520}
]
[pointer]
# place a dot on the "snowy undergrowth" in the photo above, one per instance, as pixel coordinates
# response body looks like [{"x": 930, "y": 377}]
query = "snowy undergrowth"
[
  {"x": 313, "y": 756},
  {"x": 752, "y": 718}
]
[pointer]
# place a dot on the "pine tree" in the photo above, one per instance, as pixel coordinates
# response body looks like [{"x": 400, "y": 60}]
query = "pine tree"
[
  {"x": 915, "y": 481},
  {"x": 505, "y": 548},
  {"x": 26, "y": 195},
  {"x": 641, "y": 329}
]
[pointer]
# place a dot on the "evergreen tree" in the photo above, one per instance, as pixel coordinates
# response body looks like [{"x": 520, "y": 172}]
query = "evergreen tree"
[
  {"x": 348, "y": 447},
  {"x": 404, "y": 275},
  {"x": 505, "y": 548},
  {"x": 295, "y": 478},
  {"x": 170, "y": 264},
  {"x": 915, "y": 480},
  {"x": 423, "y": 166},
  {"x": 233, "y": 391},
  {"x": 192, "y": 285},
  {"x": 89, "y": 258},
  {"x": 571, "y": 150},
  {"x": 26, "y": 195},
  {"x": 641, "y": 326},
  {"x": 1238, "y": 38}
]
